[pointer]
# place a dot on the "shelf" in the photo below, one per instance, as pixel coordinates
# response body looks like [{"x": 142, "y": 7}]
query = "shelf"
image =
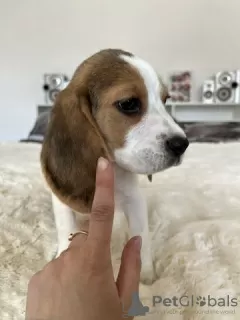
[
  {"x": 200, "y": 104},
  {"x": 193, "y": 111},
  {"x": 43, "y": 108},
  {"x": 201, "y": 112}
]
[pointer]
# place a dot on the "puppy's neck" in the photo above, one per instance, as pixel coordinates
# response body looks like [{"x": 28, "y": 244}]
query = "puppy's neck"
[{"x": 126, "y": 185}]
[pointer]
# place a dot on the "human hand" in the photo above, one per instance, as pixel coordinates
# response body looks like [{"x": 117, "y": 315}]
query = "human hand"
[{"x": 79, "y": 284}]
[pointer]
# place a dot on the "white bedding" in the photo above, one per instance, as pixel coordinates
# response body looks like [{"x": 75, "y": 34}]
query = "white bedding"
[{"x": 194, "y": 220}]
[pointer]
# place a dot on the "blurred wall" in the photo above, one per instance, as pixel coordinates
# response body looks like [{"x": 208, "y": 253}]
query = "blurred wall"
[{"x": 55, "y": 36}]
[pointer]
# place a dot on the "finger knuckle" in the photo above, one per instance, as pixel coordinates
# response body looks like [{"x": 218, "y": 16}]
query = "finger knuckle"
[
  {"x": 91, "y": 267},
  {"x": 36, "y": 276},
  {"x": 34, "y": 280},
  {"x": 67, "y": 257},
  {"x": 85, "y": 262},
  {"x": 48, "y": 269},
  {"x": 102, "y": 212},
  {"x": 89, "y": 262}
]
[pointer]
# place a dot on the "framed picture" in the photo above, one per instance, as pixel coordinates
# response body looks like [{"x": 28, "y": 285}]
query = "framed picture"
[{"x": 180, "y": 86}]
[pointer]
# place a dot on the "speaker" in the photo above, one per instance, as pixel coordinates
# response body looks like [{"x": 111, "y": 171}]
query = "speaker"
[
  {"x": 53, "y": 84},
  {"x": 228, "y": 87},
  {"x": 208, "y": 91}
]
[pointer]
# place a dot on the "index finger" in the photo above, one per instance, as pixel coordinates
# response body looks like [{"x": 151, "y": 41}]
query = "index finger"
[{"x": 101, "y": 218}]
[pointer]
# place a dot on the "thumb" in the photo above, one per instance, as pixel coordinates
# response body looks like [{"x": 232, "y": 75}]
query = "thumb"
[{"x": 129, "y": 273}]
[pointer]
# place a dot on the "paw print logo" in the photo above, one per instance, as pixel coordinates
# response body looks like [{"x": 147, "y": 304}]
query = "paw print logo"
[{"x": 201, "y": 301}]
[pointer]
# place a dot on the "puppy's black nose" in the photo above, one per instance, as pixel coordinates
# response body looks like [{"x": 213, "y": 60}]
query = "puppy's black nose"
[{"x": 177, "y": 145}]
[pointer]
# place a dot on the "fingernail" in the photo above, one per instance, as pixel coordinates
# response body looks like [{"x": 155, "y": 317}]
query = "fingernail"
[
  {"x": 102, "y": 164},
  {"x": 138, "y": 243}
]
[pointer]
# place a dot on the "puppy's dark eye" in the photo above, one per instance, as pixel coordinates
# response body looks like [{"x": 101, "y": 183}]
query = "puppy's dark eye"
[{"x": 129, "y": 106}]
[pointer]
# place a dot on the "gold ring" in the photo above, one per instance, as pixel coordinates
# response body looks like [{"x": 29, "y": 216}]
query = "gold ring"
[{"x": 72, "y": 235}]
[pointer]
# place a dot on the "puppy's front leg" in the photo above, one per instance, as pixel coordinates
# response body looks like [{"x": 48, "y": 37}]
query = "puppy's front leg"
[
  {"x": 134, "y": 206},
  {"x": 65, "y": 221},
  {"x": 135, "y": 209}
]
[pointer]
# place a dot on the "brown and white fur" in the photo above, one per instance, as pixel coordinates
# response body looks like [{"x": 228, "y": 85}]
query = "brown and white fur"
[{"x": 87, "y": 122}]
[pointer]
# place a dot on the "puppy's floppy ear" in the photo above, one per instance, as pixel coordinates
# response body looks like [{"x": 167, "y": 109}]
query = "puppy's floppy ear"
[{"x": 71, "y": 148}]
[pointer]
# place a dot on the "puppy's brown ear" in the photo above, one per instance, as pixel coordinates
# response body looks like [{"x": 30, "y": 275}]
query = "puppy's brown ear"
[{"x": 71, "y": 148}]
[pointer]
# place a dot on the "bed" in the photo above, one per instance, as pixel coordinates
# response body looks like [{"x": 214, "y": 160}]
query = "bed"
[{"x": 194, "y": 213}]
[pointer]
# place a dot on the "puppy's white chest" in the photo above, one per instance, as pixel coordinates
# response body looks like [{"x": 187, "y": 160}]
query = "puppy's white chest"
[{"x": 126, "y": 187}]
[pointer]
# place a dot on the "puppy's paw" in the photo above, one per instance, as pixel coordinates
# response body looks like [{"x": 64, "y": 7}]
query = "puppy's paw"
[{"x": 148, "y": 275}]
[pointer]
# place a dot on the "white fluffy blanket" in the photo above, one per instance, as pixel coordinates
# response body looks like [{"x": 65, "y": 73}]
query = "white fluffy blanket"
[{"x": 194, "y": 221}]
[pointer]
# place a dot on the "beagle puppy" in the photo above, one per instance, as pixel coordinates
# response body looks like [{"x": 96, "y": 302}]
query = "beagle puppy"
[{"x": 113, "y": 107}]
